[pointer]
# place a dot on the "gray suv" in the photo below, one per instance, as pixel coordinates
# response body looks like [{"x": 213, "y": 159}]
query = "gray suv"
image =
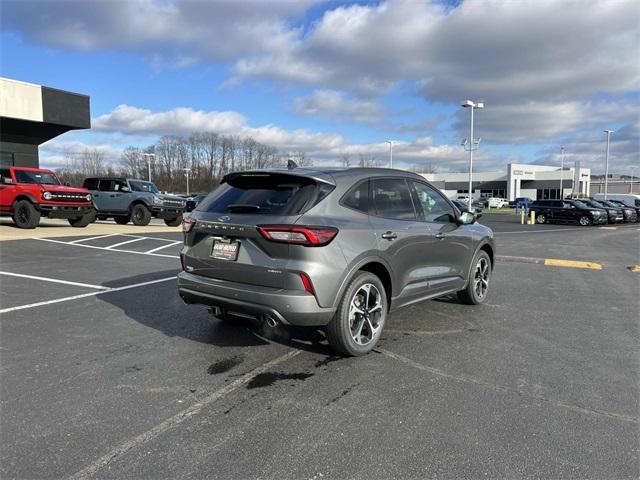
[
  {"x": 129, "y": 199},
  {"x": 339, "y": 248}
]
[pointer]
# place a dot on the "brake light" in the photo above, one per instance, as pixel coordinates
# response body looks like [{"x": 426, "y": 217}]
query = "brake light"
[
  {"x": 306, "y": 282},
  {"x": 300, "y": 235},
  {"x": 187, "y": 224}
]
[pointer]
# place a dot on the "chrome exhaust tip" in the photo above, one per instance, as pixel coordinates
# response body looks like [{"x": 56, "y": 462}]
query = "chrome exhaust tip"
[{"x": 270, "y": 321}]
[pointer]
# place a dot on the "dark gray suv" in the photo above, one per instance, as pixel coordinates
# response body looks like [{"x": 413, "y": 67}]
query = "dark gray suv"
[{"x": 339, "y": 248}]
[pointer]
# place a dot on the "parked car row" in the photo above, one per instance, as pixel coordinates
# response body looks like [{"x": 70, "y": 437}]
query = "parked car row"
[{"x": 584, "y": 211}]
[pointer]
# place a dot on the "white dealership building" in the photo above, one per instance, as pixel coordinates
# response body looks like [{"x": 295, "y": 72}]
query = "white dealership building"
[{"x": 520, "y": 180}]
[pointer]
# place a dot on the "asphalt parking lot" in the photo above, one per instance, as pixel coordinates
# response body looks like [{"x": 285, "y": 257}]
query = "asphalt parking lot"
[{"x": 105, "y": 373}]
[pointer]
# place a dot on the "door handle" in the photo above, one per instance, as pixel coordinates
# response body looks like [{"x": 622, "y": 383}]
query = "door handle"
[
  {"x": 389, "y": 236},
  {"x": 440, "y": 235}
]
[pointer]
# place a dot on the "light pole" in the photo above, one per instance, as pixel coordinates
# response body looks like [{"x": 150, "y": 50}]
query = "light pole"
[
  {"x": 149, "y": 157},
  {"x": 606, "y": 164},
  {"x": 390, "y": 152},
  {"x": 561, "y": 171},
  {"x": 633, "y": 175},
  {"x": 186, "y": 172},
  {"x": 473, "y": 143}
]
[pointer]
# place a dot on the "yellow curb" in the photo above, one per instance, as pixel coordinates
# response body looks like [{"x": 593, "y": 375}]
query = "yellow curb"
[
  {"x": 556, "y": 262},
  {"x": 635, "y": 268}
]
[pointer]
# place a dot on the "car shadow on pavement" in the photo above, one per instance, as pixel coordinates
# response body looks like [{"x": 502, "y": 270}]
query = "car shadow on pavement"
[{"x": 159, "y": 306}]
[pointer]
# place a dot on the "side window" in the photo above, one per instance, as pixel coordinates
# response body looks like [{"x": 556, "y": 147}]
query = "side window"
[
  {"x": 106, "y": 185},
  {"x": 118, "y": 184},
  {"x": 432, "y": 206},
  {"x": 567, "y": 205},
  {"x": 358, "y": 197},
  {"x": 91, "y": 184},
  {"x": 5, "y": 173},
  {"x": 392, "y": 199}
]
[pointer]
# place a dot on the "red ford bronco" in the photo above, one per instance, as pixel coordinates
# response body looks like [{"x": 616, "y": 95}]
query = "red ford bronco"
[{"x": 30, "y": 193}]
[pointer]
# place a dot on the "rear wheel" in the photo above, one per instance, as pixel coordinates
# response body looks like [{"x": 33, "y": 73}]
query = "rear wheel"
[
  {"x": 478, "y": 285},
  {"x": 83, "y": 221},
  {"x": 25, "y": 214},
  {"x": 584, "y": 221},
  {"x": 173, "y": 222},
  {"x": 140, "y": 215},
  {"x": 541, "y": 218},
  {"x": 122, "y": 220},
  {"x": 360, "y": 318}
]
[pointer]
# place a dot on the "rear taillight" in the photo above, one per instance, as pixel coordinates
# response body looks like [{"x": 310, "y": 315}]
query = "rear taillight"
[
  {"x": 187, "y": 224},
  {"x": 299, "y": 235},
  {"x": 306, "y": 283}
]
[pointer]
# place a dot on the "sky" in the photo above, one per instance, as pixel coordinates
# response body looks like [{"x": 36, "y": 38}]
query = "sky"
[{"x": 341, "y": 78}]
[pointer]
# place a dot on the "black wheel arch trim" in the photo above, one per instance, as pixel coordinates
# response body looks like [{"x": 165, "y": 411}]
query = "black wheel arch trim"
[{"x": 355, "y": 268}]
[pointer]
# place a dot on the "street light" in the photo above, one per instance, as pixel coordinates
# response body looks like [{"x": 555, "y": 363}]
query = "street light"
[
  {"x": 473, "y": 143},
  {"x": 149, "y": 156},
  {"x": 561, "y": 171},
  {"x": 606, "y": 164},
  {"x": 186, "y": 172},
  {"x": 390, "y": 152}
]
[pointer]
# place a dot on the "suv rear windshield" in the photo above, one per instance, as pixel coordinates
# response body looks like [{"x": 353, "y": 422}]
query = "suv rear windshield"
[
  {"x": 265, "y": 193},
  {"x": 41, "y": 178}
]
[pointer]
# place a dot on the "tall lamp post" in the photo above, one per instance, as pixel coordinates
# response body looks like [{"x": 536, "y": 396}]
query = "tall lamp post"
[
  {"x": 473, "y": 143},
  {"x": 186, "y": 172},
  {"x": 390, "y": 142},
  {"x": 561, "y": 172},
  {"x": 606, "y": 164},
  {"x": 149, "y": 157}
]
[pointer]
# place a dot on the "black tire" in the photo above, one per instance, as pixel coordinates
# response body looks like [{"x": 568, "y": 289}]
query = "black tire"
[
  {"x": 140, "y": 215},
  {"x": 173, "y": 222},
  {"x": 339, "y": 330},
  {"x": 25, "y": 214},
  {"x": 541, "y": 218},
  {"x": 122, "y": 220},
  {"x": 83, "y": 221},
  {"x": 479, "y": 281},
  {"x": 584, "y": 221}
]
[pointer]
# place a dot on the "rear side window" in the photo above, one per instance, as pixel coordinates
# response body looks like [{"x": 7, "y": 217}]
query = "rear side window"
[
  {"x": 91, "y": 184},
  {"x": 358, "y": 197},
  {"x": 265, "y": 193},
  {"x": 392, "y": 199},
  {"x": 106, "y": 185},
  {"x": 5, "y": 173}
]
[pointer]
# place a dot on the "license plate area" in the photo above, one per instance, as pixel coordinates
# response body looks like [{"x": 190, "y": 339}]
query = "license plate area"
[{"x": 223, "y": 249}]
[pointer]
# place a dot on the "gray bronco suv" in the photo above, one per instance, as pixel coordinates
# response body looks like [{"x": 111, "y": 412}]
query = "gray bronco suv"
[
  {"x": 338, "y": 248},
  {"x": 129, "y": 199}
]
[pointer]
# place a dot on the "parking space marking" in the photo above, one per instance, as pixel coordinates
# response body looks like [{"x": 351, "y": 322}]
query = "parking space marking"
[
  {"x": 85, "y": 295},
  {"x": 86, "y": 239},
  {"x": 105, "y": 248},
  {"x": 164, "y": 246},
  {"x": 505, "y": 389},
  {"x": 557, "y": 262},
  {"x": 178, "y": 418},
  {"x": 54, "y": 280},
  {"x": 138, "y": 239}
]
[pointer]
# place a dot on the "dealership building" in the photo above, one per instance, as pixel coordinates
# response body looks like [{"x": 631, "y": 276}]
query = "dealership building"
[
  {"x": 520, "y": 180},
  {"x": 31, "y": 115}
]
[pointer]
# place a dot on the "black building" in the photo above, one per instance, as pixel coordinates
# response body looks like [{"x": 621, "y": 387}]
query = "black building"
[{"x": 31, "y": 115}]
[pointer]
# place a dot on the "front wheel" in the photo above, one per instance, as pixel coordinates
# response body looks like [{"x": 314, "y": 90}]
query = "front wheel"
[
  {"x": 83, "y": 221},
  {"x": 584, "y": 221},
  {"x": 357, "y": 325},
  {"x": 140, "y": 215},
  {"x": 478, "y": 284},
  {"x": 173, "y": 222},
  {"x": 25, "y": 214}
]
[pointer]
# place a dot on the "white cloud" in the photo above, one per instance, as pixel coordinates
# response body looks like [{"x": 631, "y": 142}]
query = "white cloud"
[{"x": 334, "y": 104}]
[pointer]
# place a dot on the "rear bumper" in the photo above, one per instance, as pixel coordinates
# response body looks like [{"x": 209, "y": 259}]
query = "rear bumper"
[
  {"x": 291, "y": 307},
  {"x": 64, "y": 210}
]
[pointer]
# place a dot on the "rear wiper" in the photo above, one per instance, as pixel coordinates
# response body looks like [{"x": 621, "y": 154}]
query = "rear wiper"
[{"x": 243, "y": 207}]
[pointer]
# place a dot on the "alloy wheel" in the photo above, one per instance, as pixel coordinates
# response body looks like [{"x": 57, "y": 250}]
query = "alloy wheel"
[
  {"x": 22, "y": 214},
  {"x": 365, "y": 314},
  {"x": 481, "y": 278}
]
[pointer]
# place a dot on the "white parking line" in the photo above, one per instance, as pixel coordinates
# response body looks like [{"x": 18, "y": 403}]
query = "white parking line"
[
  {"x": 86, "y": 239},
  {"x": 124, "y": 243},
  {"x": 164, "y": 246},
  {"x": 84, "y": 295},
  {"x": 54, "y": 280},
  {"x": 104, "y": 248}
]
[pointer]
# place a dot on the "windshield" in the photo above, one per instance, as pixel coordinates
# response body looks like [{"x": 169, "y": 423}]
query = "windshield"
[
  {"x": 593, "y": 203},
  {"x": 39, "y": 178},
  {"x": 142, "y": 186},
  {"x": 581, "y": 204}
]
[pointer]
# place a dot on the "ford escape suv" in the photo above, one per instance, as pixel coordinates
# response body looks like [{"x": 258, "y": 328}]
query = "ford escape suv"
[{"x": 339, "y": 248}]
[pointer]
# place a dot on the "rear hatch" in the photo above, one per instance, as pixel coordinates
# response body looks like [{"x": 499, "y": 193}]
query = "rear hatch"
[{"x": 225, "y": 242}]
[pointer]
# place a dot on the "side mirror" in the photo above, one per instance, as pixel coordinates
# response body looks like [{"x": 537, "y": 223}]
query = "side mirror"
[
  {"x": 125, "y": 190},
  {"x": 7, "y": 180},
  {"x": 478, "y": 215},
  {"x": 67, "y": 184},
  {"x": 466, "y": 218}
]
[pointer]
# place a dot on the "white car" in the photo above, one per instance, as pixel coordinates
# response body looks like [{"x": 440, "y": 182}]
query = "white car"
[{"x": 496, "y": 202}]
